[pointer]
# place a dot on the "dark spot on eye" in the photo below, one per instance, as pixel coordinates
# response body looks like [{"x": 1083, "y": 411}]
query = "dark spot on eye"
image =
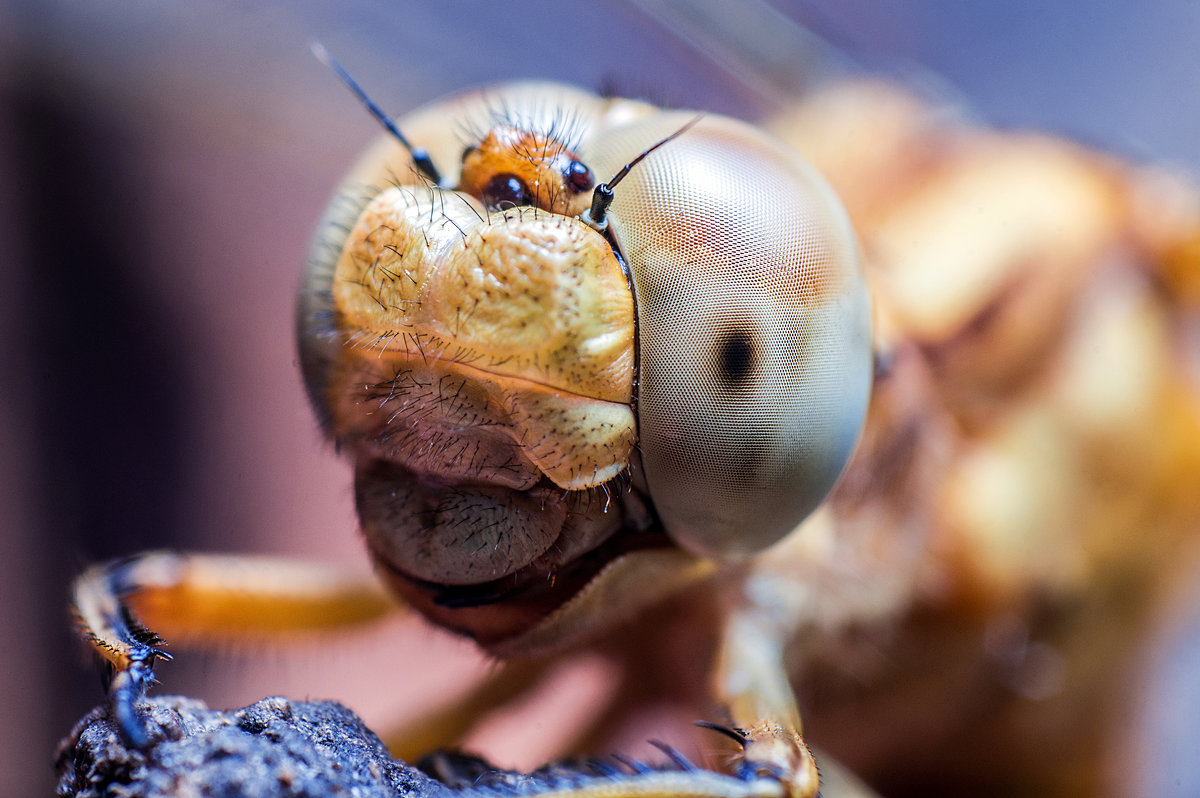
[
  {"x": 735, "y": 357},
  {"x": 578, "y": 177},
  {"x": 506, "y": 190}
]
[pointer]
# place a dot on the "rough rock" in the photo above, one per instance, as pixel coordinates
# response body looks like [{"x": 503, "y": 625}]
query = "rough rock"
[{"x": 272, "y": 748}]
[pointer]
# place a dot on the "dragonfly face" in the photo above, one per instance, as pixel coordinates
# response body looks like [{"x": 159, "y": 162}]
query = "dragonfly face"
[{"x": 528, "y": 401}]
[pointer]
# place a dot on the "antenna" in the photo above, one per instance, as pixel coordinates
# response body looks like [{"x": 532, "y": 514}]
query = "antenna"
[
  {"x": 419, "y": 155},
  {"x": 603, "y": 196}
]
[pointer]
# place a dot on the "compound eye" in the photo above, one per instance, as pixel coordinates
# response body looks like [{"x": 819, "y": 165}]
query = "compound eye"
[
  {"x": 506, "y": 190},
  {"x": 754, "y": 331}
]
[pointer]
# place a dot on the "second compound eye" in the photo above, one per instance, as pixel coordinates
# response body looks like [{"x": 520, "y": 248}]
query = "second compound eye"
[{"x": 506, "y": 190}]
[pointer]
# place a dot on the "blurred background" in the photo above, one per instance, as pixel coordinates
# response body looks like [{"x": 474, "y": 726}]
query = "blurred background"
[{"x": 162, "y": 165}]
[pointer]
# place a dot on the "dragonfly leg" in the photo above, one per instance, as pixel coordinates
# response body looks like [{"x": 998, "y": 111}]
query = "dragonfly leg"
[{"x": 123, "y": 606}]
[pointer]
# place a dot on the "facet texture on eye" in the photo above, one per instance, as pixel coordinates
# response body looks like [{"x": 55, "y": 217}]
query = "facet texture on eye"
[{"x": 754, "y": 329}]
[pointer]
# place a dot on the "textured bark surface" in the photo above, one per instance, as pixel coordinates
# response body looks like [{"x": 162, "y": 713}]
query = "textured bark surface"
[{"x": 270, "y": 748}]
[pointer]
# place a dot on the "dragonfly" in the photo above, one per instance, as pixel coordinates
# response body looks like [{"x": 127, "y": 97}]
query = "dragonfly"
[{"x": 978, "y": 549}]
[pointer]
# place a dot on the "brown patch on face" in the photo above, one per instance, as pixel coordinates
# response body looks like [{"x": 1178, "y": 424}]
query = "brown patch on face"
[
  {"x": 512, "y": 166},
  {"x": 486, "y": 623},
  {"x": 501, "y": 611}
]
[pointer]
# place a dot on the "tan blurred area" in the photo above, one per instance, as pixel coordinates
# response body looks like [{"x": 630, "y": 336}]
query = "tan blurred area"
[
  {"x": 1036, "y": 308},
  {"x": 163, "y": 166}
]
